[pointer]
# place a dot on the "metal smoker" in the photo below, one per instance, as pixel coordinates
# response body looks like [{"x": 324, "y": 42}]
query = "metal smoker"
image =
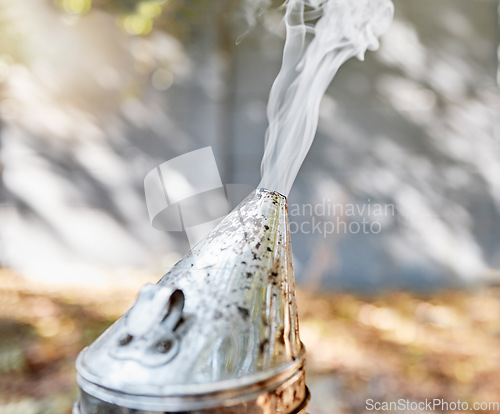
[{"x": 218, "y": 333}]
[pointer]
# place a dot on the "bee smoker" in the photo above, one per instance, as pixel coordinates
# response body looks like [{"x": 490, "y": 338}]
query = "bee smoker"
[{"x": 218, "y": 333}]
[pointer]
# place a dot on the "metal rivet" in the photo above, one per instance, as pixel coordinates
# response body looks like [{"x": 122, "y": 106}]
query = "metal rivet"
[{"x": 164, "y": 346}]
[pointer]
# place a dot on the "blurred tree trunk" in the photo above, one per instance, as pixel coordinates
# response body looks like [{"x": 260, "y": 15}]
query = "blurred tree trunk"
[{"x": 226, "y": 43}]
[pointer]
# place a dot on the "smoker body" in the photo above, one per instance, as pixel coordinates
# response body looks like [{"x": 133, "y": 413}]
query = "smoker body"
[{"x": 217, "y": 334}]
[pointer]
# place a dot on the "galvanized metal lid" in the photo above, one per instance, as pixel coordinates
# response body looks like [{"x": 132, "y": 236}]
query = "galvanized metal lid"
[{"x": 219, "y": 329}]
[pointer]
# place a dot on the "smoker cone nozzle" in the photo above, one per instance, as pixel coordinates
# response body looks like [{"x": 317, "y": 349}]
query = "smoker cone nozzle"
[{"x": 218, "y": 333}]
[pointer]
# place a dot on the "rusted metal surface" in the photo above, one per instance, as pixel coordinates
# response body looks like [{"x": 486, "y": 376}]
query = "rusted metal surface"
[{"x": 217, "y": 334}]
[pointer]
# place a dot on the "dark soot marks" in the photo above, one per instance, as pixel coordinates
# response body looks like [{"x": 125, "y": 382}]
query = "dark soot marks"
[
  {"x": 262, "y": 345},
  {"x": 125, "y": 339},
  {"x": 244, "y": 262},
  {"x": 274, "y": 274},
  {"x": 244, "y": 312},
  {"x": 281, "y": 337},
  {"x": 266, "y": 227},
  {"x": 257, "y": 245},
  {"x": 249, "y": 274},
  {"x": 269, "y": 249}
]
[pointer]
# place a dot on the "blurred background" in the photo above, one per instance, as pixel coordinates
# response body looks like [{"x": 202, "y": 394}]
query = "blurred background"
[{"x": 94, "y": 94}]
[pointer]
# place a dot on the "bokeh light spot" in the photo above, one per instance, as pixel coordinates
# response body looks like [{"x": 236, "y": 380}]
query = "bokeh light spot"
[
  {"x": 149, "y": 9},
  {"x": 137, "y": 25},
  {"x": 76, "y": 6},
  {"x": 162, "y": 79}
]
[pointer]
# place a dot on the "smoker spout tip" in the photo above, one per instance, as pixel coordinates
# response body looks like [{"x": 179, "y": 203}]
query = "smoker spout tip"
[{"x": 268, "y": 191}]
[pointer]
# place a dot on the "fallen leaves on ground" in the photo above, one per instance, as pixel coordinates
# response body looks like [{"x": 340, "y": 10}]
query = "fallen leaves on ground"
[{"x": 387, "y": 347}]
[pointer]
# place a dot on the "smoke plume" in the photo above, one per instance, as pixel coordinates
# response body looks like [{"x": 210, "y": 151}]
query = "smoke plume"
[{"x": 320, "y": 36}]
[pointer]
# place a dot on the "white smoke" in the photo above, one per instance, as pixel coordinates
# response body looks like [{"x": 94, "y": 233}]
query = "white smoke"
[{"x": 320, "y": 36}]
